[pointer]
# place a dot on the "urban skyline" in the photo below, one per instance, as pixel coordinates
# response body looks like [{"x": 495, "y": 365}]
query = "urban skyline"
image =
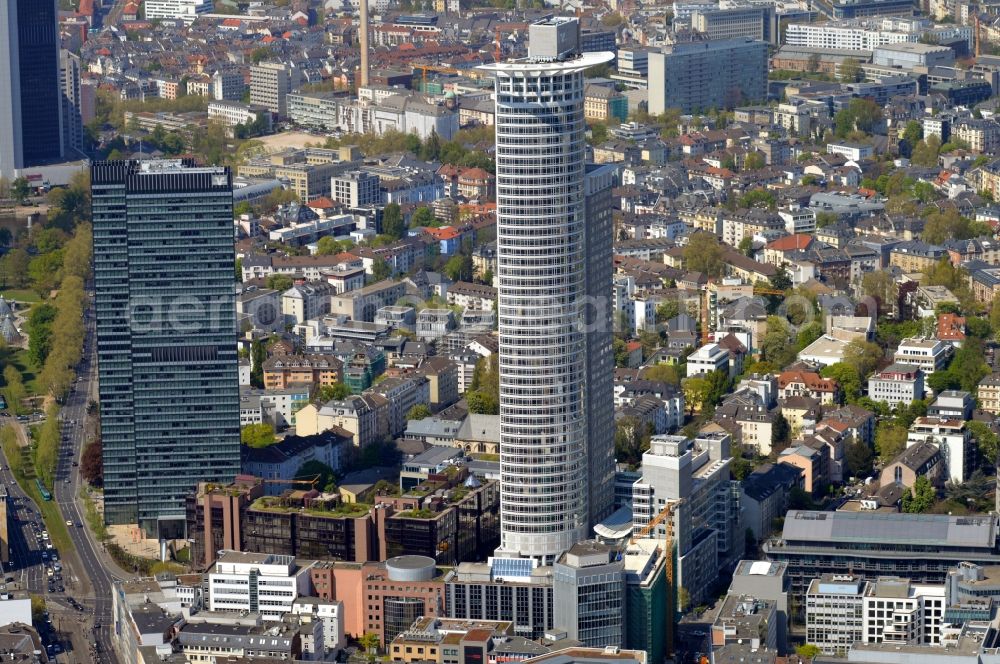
[{"x": 465, "y": 334}]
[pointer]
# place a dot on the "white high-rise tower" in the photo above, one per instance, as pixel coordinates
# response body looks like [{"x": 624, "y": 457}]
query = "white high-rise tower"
[{"x": 554, "y": 267}]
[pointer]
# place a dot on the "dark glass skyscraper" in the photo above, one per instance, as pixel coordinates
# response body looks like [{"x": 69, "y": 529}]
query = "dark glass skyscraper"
[
  {"x": 30, "y": 115},
  {"x": 169, "y": 389},
  {"x": 38, "y": 46}
]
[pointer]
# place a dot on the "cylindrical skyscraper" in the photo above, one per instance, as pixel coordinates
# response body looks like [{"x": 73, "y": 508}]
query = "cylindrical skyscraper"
[{"x": 542, "y": 262}]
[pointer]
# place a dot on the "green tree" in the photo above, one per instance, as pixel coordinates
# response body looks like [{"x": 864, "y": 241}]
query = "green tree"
[
  {"x": 369, "y": 642},
  {"x": 620, "y": 349},
  {"x": 422, "y": 216},
  {"x": 925, "y": 152},
  {"x": 758, "y": 198},
  {"x": 257, "y": 435},
  {"x": 776, "y": 345},
  {"x": 824, "y": 218},
  {"x": 703, "y": 253},
  {"x": 995, "y": 314},
  {"x": 861, "y": 114},
  {"x": 431, "y": 148},
  {"x": 242, "y": 208},
  {"x": 847, "y": 378},
  {"x": 418, "y": 412},
  {"x": 47, "y": 441},
  {"x": 850, "y": 70},
  {"x": 809, "y": 334},
  {"x": 598, "y": 133},
  {"x": 279, "y": 282},
  {"x": 327, "y": 246},
  {"x": 808, "y": 651},
  {"x": 631, "y": 440},
  {"x": 968, "y": 365},
  {"x": 335, "y": 392},
  {"x": 863, "y": 355},
  {"x": 986, "y": 441},
  {"x": 890, "y": 440},
  {"x": 77, "y": 253},
  {"x": 913, "y": 133},
  {"x": 667, "y": 311},
  {"x": 20, "y": 190},
  {"x": 459, "y": 268},
  {"x": 697, "y": 393},
  {"x": 943, "y": 273},
  {"x": 482, "y": 403},
  {"x": 921, "y": 497},
  {"x": 754, "y": 162},
  {"x": 258, "y": 353},
  {"x": 392, "y": 221},
  {"x": 44, "y": 271},
  {"x": 860, "y": 458},
  {"x": 381, "y": 269},
  {"x": 13, "y": 390},
  {"x": 39, "y": 328},
  {"x": 663, "y": 373},
  {"x": 14, "y": 267},
  {"x": 881, "y": 286},
  {"x": 746, "y": 246}
]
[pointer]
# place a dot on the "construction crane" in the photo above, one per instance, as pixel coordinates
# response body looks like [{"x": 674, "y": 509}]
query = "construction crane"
[
  {"x": 437, "y": 68},
  {"x": 977, "y": 35},
  {"x": 757, "y": 290},
  {"x": 668, "y": 553},
  {"x": 309, "y": 482}
]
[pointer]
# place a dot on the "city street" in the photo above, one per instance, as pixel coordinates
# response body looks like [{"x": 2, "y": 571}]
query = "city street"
[
  {"x": 87, "y": 587},
  {"x": 66, "y": 493}
]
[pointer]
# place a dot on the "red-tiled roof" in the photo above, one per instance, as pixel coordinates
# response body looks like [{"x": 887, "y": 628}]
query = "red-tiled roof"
[
  {"x": 321, "y": 203},
  {"x": 950, "y": 327},
  {"x": 791, "y": 242},
  {"x": 812, "y": 381},
  {"x": 445, "y": 233}
]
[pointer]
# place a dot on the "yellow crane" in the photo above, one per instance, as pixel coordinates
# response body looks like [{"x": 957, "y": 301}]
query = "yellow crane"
[
  {"x": 437, "y": 68},
  {"x": 668, "y": 551}
]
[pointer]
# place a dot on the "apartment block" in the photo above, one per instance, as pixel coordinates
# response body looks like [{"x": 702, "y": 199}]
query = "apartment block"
[
  {"x": 835, "y": 612},
  {"x": 989, "y": 394},
  {"x": 588, "y": 588},
  {"x": 897, "y": 383},
  {"x": 696, "y": 472},
  {"x": 929, "y": 355},
  {"x": 711, "y": 74},
  {"x": 270, "y": 83},
  {"x": 256, "y": 582},
  {"x": 281, "y": 371},
  {"x": 356, "y": 189},
  {"x": 953, "y": 439}
]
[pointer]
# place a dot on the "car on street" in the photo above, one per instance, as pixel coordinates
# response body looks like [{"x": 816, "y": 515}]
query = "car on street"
[{"x": 69, "y": 522}]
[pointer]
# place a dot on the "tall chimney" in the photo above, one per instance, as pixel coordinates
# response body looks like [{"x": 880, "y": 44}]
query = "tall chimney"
[{"x": 364, "y": 43}]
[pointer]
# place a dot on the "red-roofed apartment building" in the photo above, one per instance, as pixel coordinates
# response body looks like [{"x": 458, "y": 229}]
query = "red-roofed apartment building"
[
  {"x": 775, "y": 252},
  {"x": 951, "y": 329},
  {"x": 807, "y": 384}
]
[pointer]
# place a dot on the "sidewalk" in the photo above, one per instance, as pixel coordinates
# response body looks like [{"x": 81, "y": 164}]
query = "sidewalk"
[{"x": 100, "y": 550}]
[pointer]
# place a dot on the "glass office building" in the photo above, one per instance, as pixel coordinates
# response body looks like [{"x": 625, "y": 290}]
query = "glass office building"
[
  {"x": 169, "y": 390},
  {"x": 30, "y": 111}
]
